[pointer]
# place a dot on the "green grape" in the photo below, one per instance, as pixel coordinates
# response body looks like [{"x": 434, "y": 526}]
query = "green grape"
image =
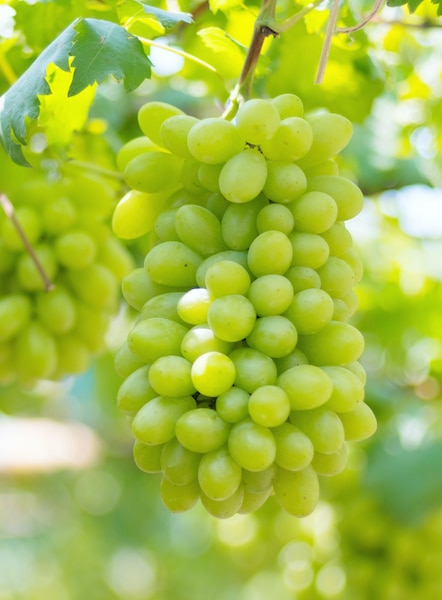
[
  {"x": 15, "y": 313},
  {"x": 170, "y": 376},
  {"x": 327, "y": 167},
  {"x": 147, "y": 458},
  {"x": 359, "y": 423},
  {"x": 270, "y": 294},
  {"x": 331, "y": 133},
  {"x": 294, "y": 450},
  {"x": 348, "y": 389},
  {"x": 314, "y": 212},
  {"x": 356, "y": 368},
  {"x": 302, "y": 278},
  {"x": 28, "y": 276},
  {"x": 238, "y": 224},
  {"x": 253, "y": 369},
  {"x": 257, "y": 120},
  {"x": 214, "y": 141},
  {"x": 338, "y": 238},
  {"x": 225, "y": 278},
  {"x": 216, "y": 202},
  {"x": 72, "y": 355},
  {"x": 95, "y": 285},
  {"x": 331, "y": 464},
  {"x": 351, "y": 300},
  {"x": 190, "y": 180},
  {"x": 86, "y": 186},
  {"x": 252, "y": 446},
  {"x": 135, "y": 391},
  {"x": 136, "y": 214},
  {"x": 270, "y": 252},
  {"x": 213, "y": 373},
  {"x": 352, "y": 258},
  {"x": 172, "y": 263},
  {"x": 116, "y": 257},
  {"x": 341, "y": 311},
  {"x": 133, "y": 148},
  {"x": 243, "y": 176},
  {"x": 138, "y": 288},
  {"x": 346, "y": 194},
  {"x": 75, "y": 250},
  {"x": 193, "y": 306},
  {"x": 293, "y": 359},
  {"x": 336, "y": 344},
  {"x": 218, "y": 474},
  {"x": 310, "y": 311},
  {"x": 232, "y": 317},
  {"x": 292, "y": 140},
  {"x": 201, "y": 430},
  {"x": 275, "y": 336},
  {"x": 165, "y": 226},
  {"x": 174, "y": 132},
  {"x": 56, "y": 310},
  {"x": 164, "y": 306},
  {"x": 7, "y": 259},
  {"x": 307, "y": 386},
  {"x": 181, "y": 196},
  {"x": 297, "y": 491},
  {"x": 337, "y": 277},
  {"x": 59, "y": 215},
  {"x": 91, "y": 327},
  {"x": 155, "y": 422},
  {"x": 308, "y": 250},
  {"x": 288, "y": 105},
  {"x": 277, "y": 217},
  {"x": 232, "y": 405},
  {"x": 152, "y": 115},
  {"x": 285, "y": 181},
  {"x": 224, "y": 509},
  {"x": 200, "y": 340},
  {"x": 269, "y": 406},
  {"x": 155, "y": 337},
  {"x": 179, "y": 498},
  {"x": 258, "y": 482},
  {"x": 29, "y": 222},
  {"x": 208, "y": 176},
  {"x": 125, "y": 361},
  {"x": 322, "y": 426},
  {"x": 190, "y": 221},
  {"x": 251, "y": 502},
  {"x": 179, "y": 465},
  {"x": 153, "y": 172},
  {"x": 35, "y": 352},
  {"x": 233, "y": 255}
]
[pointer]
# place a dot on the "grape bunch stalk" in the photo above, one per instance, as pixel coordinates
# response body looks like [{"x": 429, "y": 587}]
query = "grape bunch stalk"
[{"x": 241, "y": 374}]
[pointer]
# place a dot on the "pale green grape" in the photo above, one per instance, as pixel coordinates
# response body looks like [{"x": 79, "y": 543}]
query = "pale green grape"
[
  {"x": 15, "y": 313},
  {"x": 179, "y": 498},
  {"x": 214, "y": 140},
  {"x": 155, "y": 422},
  {"x": 327, "y": 167},
  {"x": 72, "y": 355},
  {"x": 179, "y": 465},
  {"x": 233, "y": 255},
  {"x": 257, "y": 120},
  {"x": 84, "y": 186},
  {"x": 138, "y": 288},
  {"x": 213, "y": 373},
  {"x": 165, "y": 226},
  {"x": 274, "y": 335},
  {"x": 59, "y": 215},
  {"x": 331, "y": 464},
  {"x": 181, "y": 196},
  {"x": 336, "y": 344},
  {"x": 116, "y": 257},
  {"x": 270, "y": 252},
  {"x": 232, "y": 405},
  {"x": 243, "y": 176},
  {"x": 75, "y": 250},
  {"x": 252, "y": 446},
  {"x": 322, "y": 426},
  {"x": 96, "y": 286},
  {"x": 238, "y": 224},
  {"x": 359, "y": 423},
  {"x": 56, "y": 310},
  {"x": 275, "y": 216},
  {"x": 258, "y": 482},
  {"x": 352, "y": 301},
  {"x": 232, "y": 317},
  {"x": 352, "y": 258},
  {"x": 297, "y": 491},
  {"x": 314, "y": 212},
  {"x": 193, "y": 306},
  {"x": 189, "y": 178},
  {"x": 135, "y": 391},
  {"x": 170, "y": 376},
  {"x": 285, "y": 181},
  {"x": 133, "y": 148},
  {"x": 269, "y": 406},
  {"x": 270, "y": 294},
  {"x": 294, "y": 450},
  {"x": 308, "y": 250},
  {"x": 190, "y": 221},
  {"x": 356, "y": 368},
  {"x": 35, "y": 352},
  {"x": 30, "y": 224},
  {"x": 348, "y": 389},
  {"x": 125, "y": 361},
  {"x": 337, "y": 277},
  {"x": 302, "y": 278},
  {"x": 28, "y": 276},
  {"x": 310, "y": 311},
  {"x": 152, "y": 338},
  {"x": 224, "y": 509},
  {"x": 172, "y": 263},
  {"x": 174, "y": 132},
  {"x": 288, "y": 105},
  {"x": 202, "y": 430},
  {"x": 216, "y": 202},
  {"x": 152, "y": 115},
  {"x": 153, "y": 172},
  {"x": 136, "y": 214},
  {"x": 226, "y": 277},
  {"x": 219, "y": 476},
  {"x": 292, "y": 140},
  {"x": 201, "y": 339},
  {"x": 331, "y": 133},
  {"x": 251, "y": 502},
  {"x": 147, "y": 458},
  {"x": 7, "y": 259},
  {"x": 346, "y": 194},
  {"x": 295, "y": 358},
  {"x": 91, "y": 327},
  {"x": 208, "y": 176},
  {"x": 307, "y": 386},
  {"x": 253, "y": 369},
  {"x": 338, "y": 238},
  {"x": 341, "y": 311}
]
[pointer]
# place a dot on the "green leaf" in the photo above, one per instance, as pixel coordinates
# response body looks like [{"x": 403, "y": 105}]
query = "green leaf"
[
  {"x": 166, "y": 18},
  {"x": 412, "y": 4},
  {"x": 438, "y": 3}
]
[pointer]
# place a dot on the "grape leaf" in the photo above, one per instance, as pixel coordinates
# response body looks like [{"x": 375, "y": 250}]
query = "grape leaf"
[
  {"x": 99, "y": 49},
  {"x": 166, "y": 18},
  {"x": 412, "y": 4}
]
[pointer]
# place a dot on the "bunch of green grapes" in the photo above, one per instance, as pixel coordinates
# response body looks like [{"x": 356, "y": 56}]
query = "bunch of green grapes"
[
  {"x": 54, "y": 312},
  {"x": 241, "y": 374}
]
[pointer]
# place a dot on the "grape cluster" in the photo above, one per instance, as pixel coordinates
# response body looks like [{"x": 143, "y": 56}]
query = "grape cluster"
[
  {"x": 241, "y": 373},
  {"x": 51, "y": 330}
]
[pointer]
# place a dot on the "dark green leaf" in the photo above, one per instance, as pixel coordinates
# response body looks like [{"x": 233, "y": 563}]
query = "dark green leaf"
[
  {"x": 438, "y": 3},
  {"x": 166, "y": 18}
]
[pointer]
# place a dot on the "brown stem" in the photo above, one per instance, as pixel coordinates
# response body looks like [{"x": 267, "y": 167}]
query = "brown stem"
[
  {"x": 334, "y": 11},
  {"x": 10, "y": 213}
]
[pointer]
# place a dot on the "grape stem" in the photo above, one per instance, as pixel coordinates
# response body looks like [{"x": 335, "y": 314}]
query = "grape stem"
[
  {"x": 331, "y": 25},
  {"x": 10, "y": 213}
]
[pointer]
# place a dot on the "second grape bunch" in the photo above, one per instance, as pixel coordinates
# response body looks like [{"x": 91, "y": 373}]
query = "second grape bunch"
[{"x": 241, "y": 374}]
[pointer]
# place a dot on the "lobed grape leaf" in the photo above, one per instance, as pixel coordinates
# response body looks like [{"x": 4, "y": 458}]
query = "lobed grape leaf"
[{"x": 95, "y": 49}]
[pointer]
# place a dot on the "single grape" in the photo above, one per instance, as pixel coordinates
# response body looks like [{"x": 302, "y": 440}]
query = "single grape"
[
  {"x": 251, "y": 502},
  {"x": 174, "y": 132},
  {"x": 275, "y": 216},
  {"x": 200, "y": 340},
  {"x": 337, "y": 277},
  {"x": 232, "y": 405},
  {"x": 193, "y": 306},
  {"x": 96, "y": 285},
  {"x": 224, "y": 509},
  {"x": 331, "y": 133},
  {"x": 253, "y": 369},
  {"x": 153, "y": 172},
  {"x": 227, "y": 277},
  {"x": 179, "y": 498},
  {"x": 28, "y": 276},
  {"x": 232, "y": 317},
  {"x": 208, "y": 176},
  {"x": 219, "y": 476},
  {"x": 294, "y": 450},
  {"x": 190, "y": 221},
  {"x": 252, "y": 446},
  {"x": 274, "y": 335},
  {"x": 314, "y": 212},
  {"x": 171, "y": 376},
  {"x": 155, "y": 337},
  {"x": 269, "y": 406},
  {"x": 56, "y": 310},
  {"x": 163, "y": 305},
  {"x": 243, "y": 176},
  {"x": 359, "y": 423},
  {"x": 201, "y": 430},
  {"x": 75, "y": 249},
  {"x": 338, "y": 238},
  {"x": 148, "y": 458},
  {"x": 270, "y": 294},
  {"x": 257, "y": 120},
  {"x": 214, "y": 140},
  {"x": 310, "y": 311},
  {"x": 133, "y": 148},
  {"x": 152, "y": 115},
  {"x": 348, "y": 197},
  {"x": 270, "y": 252},
  {"x": 179, "y": 465},
  {"x": 293, "y": 359},
  {"x": 308, "y": 250},
  {"x": 288, "y": 105},
  {"x": 285, "y": 181},
  {"x": 348, "y": 389},
  {"x": 322, "y": 426},
  {"x": 297, "y": 491},
  {"x": 307, "y": 386},
  {"x": 136, "y": 213},
  {"x": 239, "y": 223},
  {"x": 213, "y": 373},
  {"x": 336, "y": 344},
  {"x": 155, "y": 422},
  {"x": 35, "y": 352},
  {"x": 331, "y": 464},
  {"x": 173, "y": 264},
  {"x": 302, "y": 278},
  {"x": 258, "y": 482},
  {"x": 233, "y": 255}
]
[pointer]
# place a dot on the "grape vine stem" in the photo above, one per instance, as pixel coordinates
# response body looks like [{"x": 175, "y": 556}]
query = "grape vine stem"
[{"x": 10, "y": 213}]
